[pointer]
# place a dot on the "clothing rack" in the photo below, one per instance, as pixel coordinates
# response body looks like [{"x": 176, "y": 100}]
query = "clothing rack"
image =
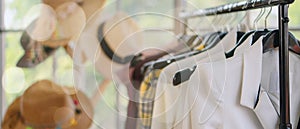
[{"x": 283, "y": 45}]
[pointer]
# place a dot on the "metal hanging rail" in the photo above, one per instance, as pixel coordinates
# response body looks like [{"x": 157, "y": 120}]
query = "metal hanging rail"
[
  {"x": 283, "y": 46},
  {"x": 234, "y": 7}
]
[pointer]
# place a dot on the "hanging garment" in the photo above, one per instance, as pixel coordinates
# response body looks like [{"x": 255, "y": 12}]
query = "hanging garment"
[
  {"x": 145, "y": 109},
  {"x": 216, "y": 105},
  {"x": 267, "y": 108},
  {"x": 149, "y": 83},
  {"x": 211, "y": 98},
  {"x": 147, "y": 95},
  {"x": 167, "y": 105},
  {"x": 132, "y": 79}
]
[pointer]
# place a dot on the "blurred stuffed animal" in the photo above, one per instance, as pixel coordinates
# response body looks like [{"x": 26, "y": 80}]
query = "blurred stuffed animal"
[
  {"x": 59, "y": 25},
  {"x": 46, "y": 105}
]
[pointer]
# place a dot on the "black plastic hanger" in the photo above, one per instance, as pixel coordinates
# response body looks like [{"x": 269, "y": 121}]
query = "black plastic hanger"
[
  {"x": 241, "y": 40},
  {"x": 239, "y": 35},
  {"x": 183, "y": 75},
  {"x": 160, "y": 64},
  {"x": 198, "y": 41},
  {"x": 271, "y": 41},
  {"x": 255, "y": 37},
  {"x": 207, "y": 38},
  {"x": 258, "y": 34},
  {"x": 188, "y": 39},
  {"x": 215, "y": 41}
]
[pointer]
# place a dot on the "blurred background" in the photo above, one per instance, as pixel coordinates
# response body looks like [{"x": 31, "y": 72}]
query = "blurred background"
[{"x": 158, "y": 24}]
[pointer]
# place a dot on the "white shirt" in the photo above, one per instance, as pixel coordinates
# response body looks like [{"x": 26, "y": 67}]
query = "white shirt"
[
  {"x": 218, "y": 87},
  {"x": 204, "y": 102},
  {"x": 169, "y": 103},
  {"x": 267, "y": 108}
]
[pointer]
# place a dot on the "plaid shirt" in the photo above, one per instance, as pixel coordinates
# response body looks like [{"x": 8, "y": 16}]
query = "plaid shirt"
[{"x": 147, "y": 95}]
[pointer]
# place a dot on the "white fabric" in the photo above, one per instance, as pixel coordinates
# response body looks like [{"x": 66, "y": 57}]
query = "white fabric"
[
  {"x": 223, "y": 94},
  {"x": 268, "y": 105},
  {"x": 217, "y": 104},
  {"x": 250, "y": 87},
  {"x": 169, "y": 104}
]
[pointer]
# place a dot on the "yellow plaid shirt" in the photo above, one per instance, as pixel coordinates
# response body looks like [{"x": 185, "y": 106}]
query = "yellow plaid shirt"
[{"x": 147, "y": 95}]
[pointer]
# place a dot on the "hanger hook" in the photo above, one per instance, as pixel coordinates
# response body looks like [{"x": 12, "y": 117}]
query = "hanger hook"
[
  {"x": 230, "y": 7},
  {"x": 231, "y": 15},
  {"x": 246, "y": 5},
  {"x": 220, "y": 21},
  {"x": 270, "y": 2},
  {"x": 266, "y": 18},
  {"x": 254, "y": 22},
  {"x": 234, "y": 16},
  {"x": 254, "y": 2},
  {"x": 231, "y": 21},
  {"x": 199, "y": 27},
  {"x": 215, "y": 16},
  {"x": 262, "y": 11},
  {"x": 243, "y": 18}
]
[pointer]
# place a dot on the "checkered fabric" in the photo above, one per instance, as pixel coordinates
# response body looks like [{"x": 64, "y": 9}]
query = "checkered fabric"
[{"x": 147, "y": 95}]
